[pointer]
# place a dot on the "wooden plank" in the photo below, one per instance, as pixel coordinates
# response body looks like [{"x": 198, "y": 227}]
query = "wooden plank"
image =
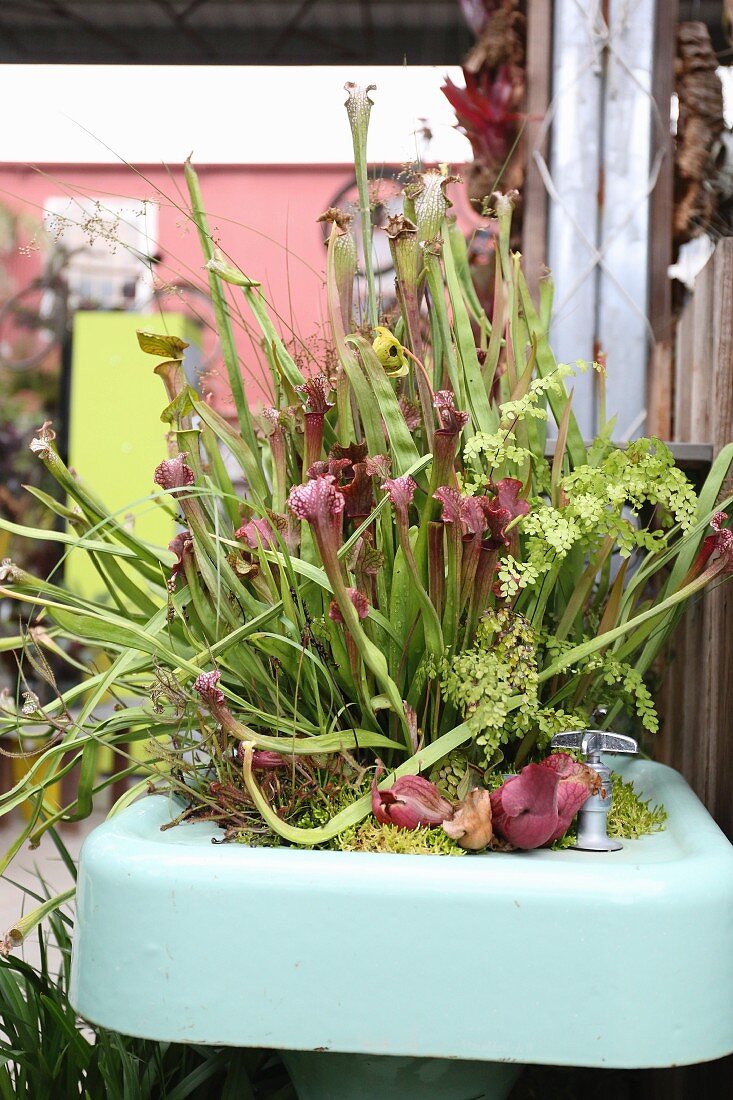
[
  {"x": 698, "y": 693},
  {"x": 694, "y": 360},
  {"x": 722, "y": 327},
  {"x": 696, "y": 699},
  {"x": 697, "y": 696},
  {"x": 697, "y": 389},
  {"x": 660, "y": 387},
  {"x": 684, "y": 352},
  {"x": 718, "y": 780},
  {"x": 538, "y": 77}
]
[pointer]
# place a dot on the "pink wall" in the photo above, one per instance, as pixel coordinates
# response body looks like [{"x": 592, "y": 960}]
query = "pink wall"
[{"x": 264, "y": 217}]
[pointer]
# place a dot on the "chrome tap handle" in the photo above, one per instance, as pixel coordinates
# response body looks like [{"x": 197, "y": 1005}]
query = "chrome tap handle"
[
  {"x": 593, "y": 816},
  {"x": 594, "y": 742}
]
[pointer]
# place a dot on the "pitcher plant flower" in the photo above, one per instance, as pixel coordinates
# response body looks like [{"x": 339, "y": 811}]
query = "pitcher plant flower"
[
  {"x": 390, "y": 353},
  {"x": 315, "y": 392},
  {"x": 410, "y": 803},
  {"x": 173, "y": 473},
  {"x": 536, "y": 807},
  {"x": 344, "y": 261}
]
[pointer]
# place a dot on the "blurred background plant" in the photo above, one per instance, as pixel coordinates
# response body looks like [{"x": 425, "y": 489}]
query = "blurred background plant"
[
  {"x": 46, "y": 1051},
  {"x": 26, "y": 394}
]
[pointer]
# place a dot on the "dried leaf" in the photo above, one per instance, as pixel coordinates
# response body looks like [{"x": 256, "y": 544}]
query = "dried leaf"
[
  {"x": 471, "y": 825},
  {"x": 166, "y": 347}
]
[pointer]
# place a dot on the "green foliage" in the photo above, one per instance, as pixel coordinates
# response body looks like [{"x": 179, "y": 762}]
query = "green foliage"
[
  {"x": 478, "y": 603},
  {"x": 620, "y": 680},
  {"x": 615, "y": 680},
  {"x": 456, "y": 774},
  {"x": 643, "y": 473},
  {"x": 482, "y": 683},
  {"x": 47, "y": 1053}
]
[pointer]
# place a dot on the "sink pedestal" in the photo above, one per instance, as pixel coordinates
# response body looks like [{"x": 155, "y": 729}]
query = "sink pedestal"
[{"x": 327, "y": 1076}]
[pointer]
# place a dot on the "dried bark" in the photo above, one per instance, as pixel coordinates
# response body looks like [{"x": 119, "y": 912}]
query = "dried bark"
[{"x": 699, "y": 131}]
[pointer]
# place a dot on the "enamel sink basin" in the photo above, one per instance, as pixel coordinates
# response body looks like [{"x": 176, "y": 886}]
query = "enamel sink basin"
[{"x": 459, "y": 970}]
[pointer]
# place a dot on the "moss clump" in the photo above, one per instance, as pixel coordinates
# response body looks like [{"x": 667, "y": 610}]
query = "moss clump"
[
  {"x": 566, "y": 841},
  {"x": 266, "y": 839},
  {"x": 630, "y": 816},
  {"x": 373, "y": 837}
]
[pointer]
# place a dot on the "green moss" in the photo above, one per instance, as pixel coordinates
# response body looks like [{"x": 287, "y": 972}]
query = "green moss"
[
  {"x": 373, "y": 837},
  {"x": 370, "y": 836},
  {"x": 566, "y": 841},
  {"x": 630, "y": 816},
  {"x": 266, "y": 839}
]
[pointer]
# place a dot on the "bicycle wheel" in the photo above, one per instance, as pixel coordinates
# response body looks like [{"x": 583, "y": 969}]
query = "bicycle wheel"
[{"x": 31, "y": 326}]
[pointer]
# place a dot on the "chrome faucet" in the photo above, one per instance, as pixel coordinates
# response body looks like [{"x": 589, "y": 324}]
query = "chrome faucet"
[{"x": 593, "y": 817}]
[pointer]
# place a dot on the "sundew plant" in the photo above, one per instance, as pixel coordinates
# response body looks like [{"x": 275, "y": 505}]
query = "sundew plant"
[{"x": 410, "y": 581}]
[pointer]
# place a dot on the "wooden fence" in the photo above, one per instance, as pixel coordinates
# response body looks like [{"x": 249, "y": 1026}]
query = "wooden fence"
[
  {"x": 696, "y": 696},
  {"x": 696, "y": 699}
]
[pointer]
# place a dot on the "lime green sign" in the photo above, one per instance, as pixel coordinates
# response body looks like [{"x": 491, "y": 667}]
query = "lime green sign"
[{"x": 116, "y": 436}]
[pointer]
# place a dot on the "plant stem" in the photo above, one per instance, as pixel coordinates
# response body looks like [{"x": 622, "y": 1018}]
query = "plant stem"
[
  {"x": 358, "y": 107},
  {"x": 360, "y": 809}
]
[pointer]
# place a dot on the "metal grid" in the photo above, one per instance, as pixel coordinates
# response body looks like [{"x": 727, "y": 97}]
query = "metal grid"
[
  {"x": 608, "y": 140},
  {"x": 232, "y": 31}
]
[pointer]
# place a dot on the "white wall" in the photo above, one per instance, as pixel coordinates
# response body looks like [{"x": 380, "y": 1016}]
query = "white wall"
[{"x": 97, "y": 114}]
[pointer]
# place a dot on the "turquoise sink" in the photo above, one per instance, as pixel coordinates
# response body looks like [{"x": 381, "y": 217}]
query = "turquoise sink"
[{"x": 420, "y": 976}]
